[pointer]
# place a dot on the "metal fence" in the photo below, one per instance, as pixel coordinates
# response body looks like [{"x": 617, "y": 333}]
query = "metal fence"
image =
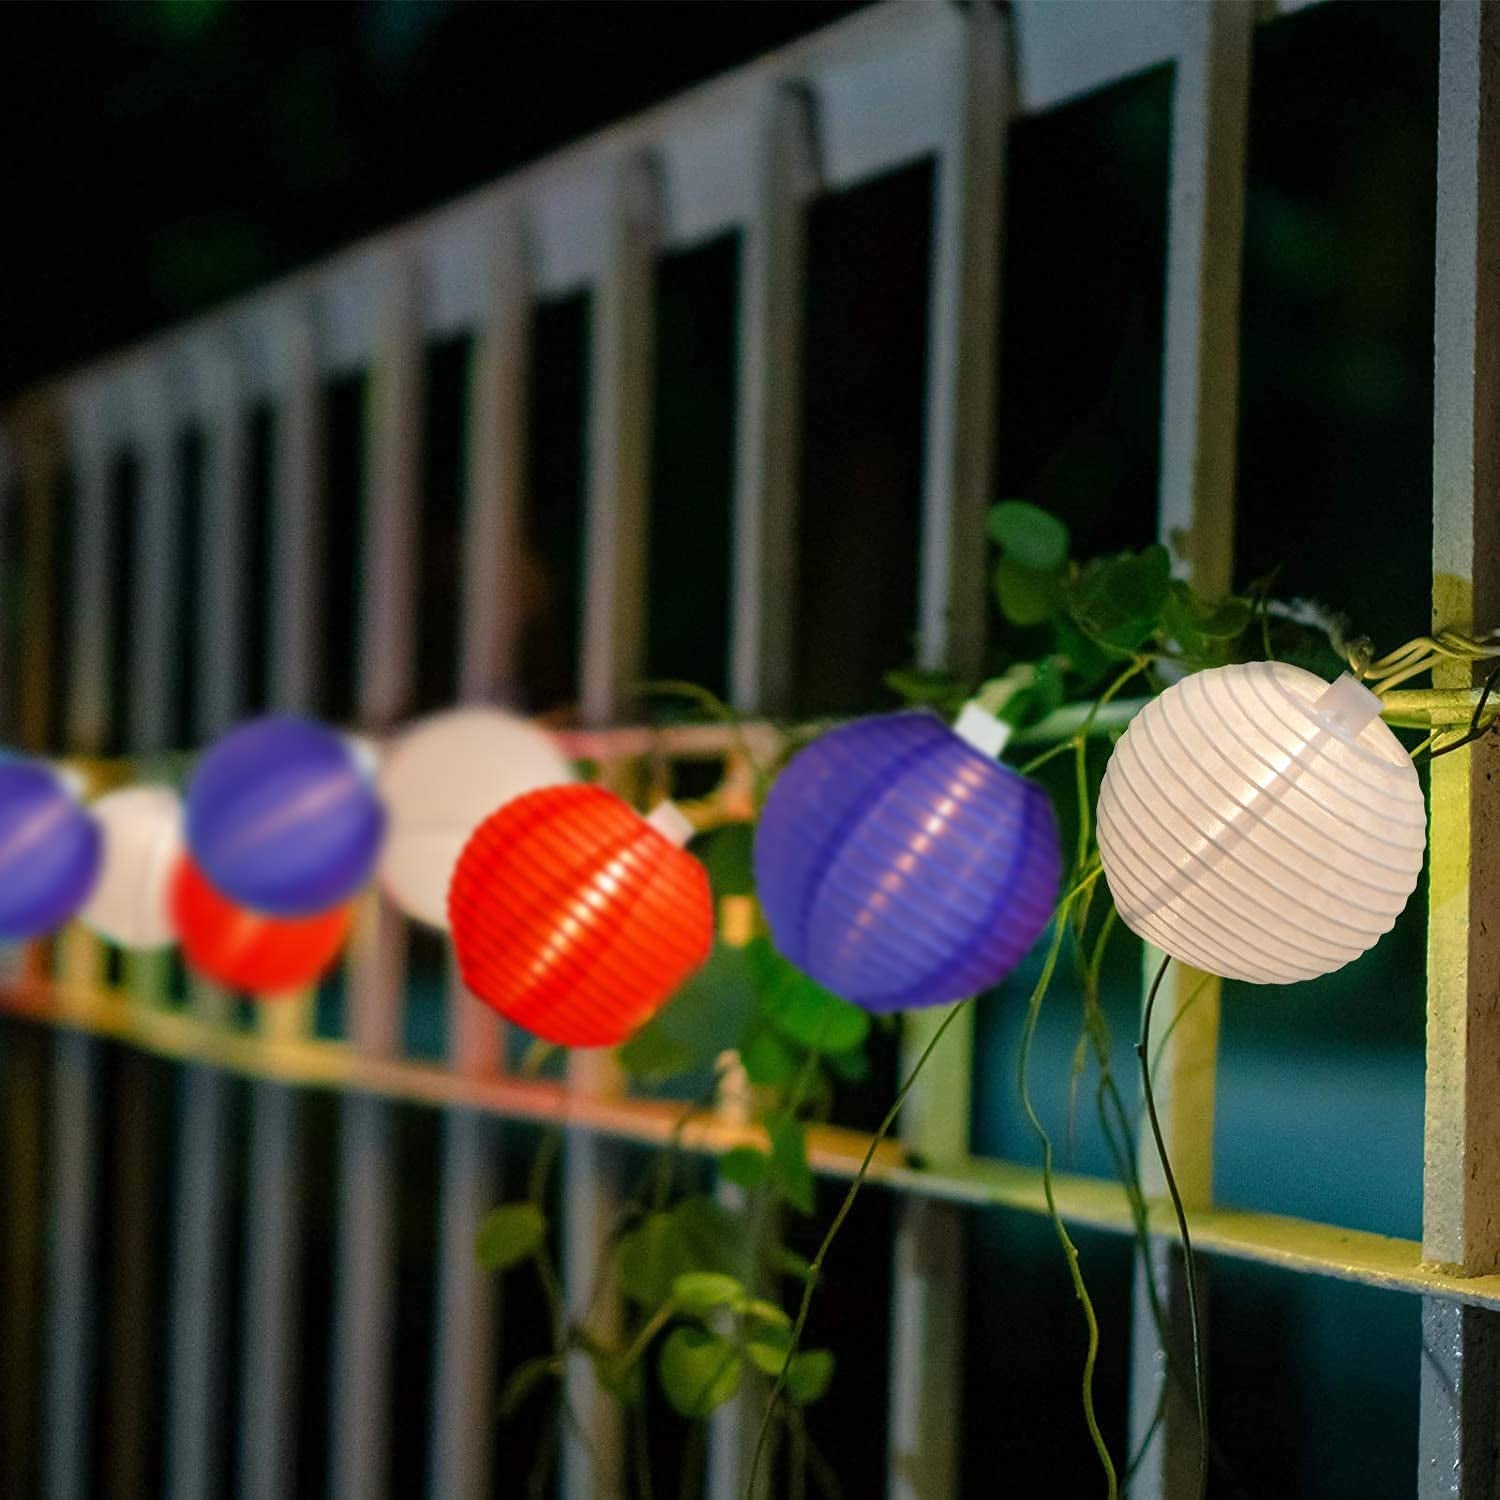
[{"x": 897, "y": 84}]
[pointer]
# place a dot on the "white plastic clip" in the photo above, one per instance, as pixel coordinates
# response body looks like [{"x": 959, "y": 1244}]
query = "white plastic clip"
[
  {"x": 671, "y": 823},
  {"x": 978, "y": 727}
]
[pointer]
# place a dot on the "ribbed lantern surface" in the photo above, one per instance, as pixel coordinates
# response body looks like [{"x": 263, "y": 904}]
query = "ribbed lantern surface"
[
  {"x": 440, "y": 780},
  {"x": 142, "y": 829},
  {"x": 900, "y": 866},
  {"x": 246, "y": 950},
  {"x": 283, "y": 818},
  {"x": 574, "y": 917},
  {"x": 50, "y": 850},
  {"x": 1261, "y": 824}
]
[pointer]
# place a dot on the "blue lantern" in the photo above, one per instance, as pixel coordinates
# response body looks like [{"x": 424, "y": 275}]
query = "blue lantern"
[
  {"x": 50, "y": 851},
  {"x": 282, "y": 817},
  {"x": 901, "y": 865}
]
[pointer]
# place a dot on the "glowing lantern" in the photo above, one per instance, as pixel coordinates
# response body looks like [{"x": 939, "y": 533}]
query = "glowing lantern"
[
  {"x": 901, "y": 865},
  {"x": 142, "y": 827},
  {"x": 49, "y": 851},
  {"x": 575, "y": 917},
  {"x": 1260, "y": 824},
  {"x": 245, "y": 950},
  {"x": 283, "y": 818},
  {"x": 442, "y": 778}
]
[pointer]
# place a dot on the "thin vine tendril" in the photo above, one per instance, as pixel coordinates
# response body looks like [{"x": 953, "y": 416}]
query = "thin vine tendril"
[
  {"x": 1070, "y": 1250},
  {"x": 815, "y": 1268},
  {"x": 1200, "y": 1390}
]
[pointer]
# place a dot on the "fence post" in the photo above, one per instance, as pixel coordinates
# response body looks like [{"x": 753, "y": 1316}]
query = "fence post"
[
  {"x": 1461, "y": 1176},
  {"x": 1210, "y": 112}
]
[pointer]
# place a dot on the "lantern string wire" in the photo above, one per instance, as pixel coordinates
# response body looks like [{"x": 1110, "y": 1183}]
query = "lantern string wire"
[
  {"x": 1082, "y": 886},
  {"x": 1190, "y": 1272},
  {"x": 1477, "y": 729},
  {"x": 715, "y": 707},
  {"x": 1118, "y": 1130},
  {"x": 1418, "y": 656},
  {"x": 1137, "y": 664}
]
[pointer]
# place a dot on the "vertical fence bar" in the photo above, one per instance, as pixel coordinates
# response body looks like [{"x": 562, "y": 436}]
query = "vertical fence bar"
[
  {"x": 297, "y": 532},
  {"x": 273, "y": 1225},
  {"x": 157, "y": 537},
  {"x": 72, "y": 1122},
  {"x": 463, "y": 1399},
  {"x": 734, "y": 1427},
  {"x": 1205, "y": 231},
  {"x": 773, "y": 255},
  {"x": 377, "y": 970},
  {"x": 496, "y": 475},
  {"x": 962, "y": 338},
  {"x": 39, "y": 480},
  {"x": 927, "y": 1290},
  {"x": 195, "y": 1410},
  {"x": 88, "y": 683},
  {"x": 71, "y": 1308},
  {"x": 619, "y": 434},
  {"x": 619, "y": 452},
  {"x": 23, "y": 1081},
  {"x": 463, "y": 1387},
  {"x": 1461, "y": 1177}
]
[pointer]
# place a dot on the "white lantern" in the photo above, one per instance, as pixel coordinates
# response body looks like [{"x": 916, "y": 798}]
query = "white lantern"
[
  {"x": 142, "y": 827},
  {"x": 1261, "y": 824},
  {"x": 440, "y": 780}
]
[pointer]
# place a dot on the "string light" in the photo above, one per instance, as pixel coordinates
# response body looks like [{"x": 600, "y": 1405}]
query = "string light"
[
  {"x": 283, "y": 818},
  {"x": 50, "y": 850},
  {"x": 142, "y": 829},
  {"x": 901, "y": 865},
  {"x": 574, "y": 917},
  {"x": 439, "y": 781},
  {"x": 247, "y": 950},
  {"x": 1261, "y": 824}
]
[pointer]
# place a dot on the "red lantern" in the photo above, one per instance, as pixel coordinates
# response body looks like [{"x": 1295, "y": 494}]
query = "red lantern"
[
  {"x": 245, "y": 950},
  {"x": 575, "y": 917}
]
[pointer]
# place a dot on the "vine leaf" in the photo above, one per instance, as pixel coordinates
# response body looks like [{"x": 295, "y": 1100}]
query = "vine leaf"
[
  {"x": 697, "y": 1235},
  {"x": 509, "y": 1235},
  {"x": 745, "y": 1167},
  {"x": 768, "y": 1060},
  {"x": 699, "y": 1371},
  {"x": 1202, "y": 628},
  {"x": 804, "y": 1011},
  {"x": 652, "y": 1054},
  {"x": 768, "y": 1350},
  {"x": 525, "y": 1379},
  {"x": 1029, "y": 535},
  {"x": 852, "y": 1066},
  {"x": 918, "y": 687},
  {"x": 700, "y": 1293},
  {"x": 1118, "y": 601},
  {"x": 727, "y": 855},
  {"x": 1027, "y": 596},
  {"x": 651, "y": 1257},
  {"x": 713, "y": 1238},
  {"x": 790, "y": 1263},
  {"x": 708, "y": 1016},
  {"x": 789, "y": 1158},
  {"x": 761, "y": 1311},
  {"x": 808, "y": 1375}
]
